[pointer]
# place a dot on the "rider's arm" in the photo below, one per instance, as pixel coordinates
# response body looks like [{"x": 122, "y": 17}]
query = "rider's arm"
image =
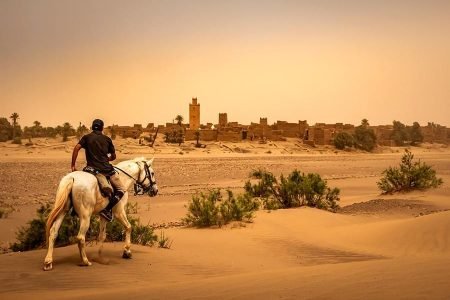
[
  {"x": 111, "y": 151},
  {"x": 75, "y": 155},
  {"x": 112, "y": 157}
]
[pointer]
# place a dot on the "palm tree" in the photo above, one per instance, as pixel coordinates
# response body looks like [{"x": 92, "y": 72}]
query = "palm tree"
[
  {"x": 179, "y": 119},
  {"x": 14, "y": 118},
  {"x": 36, "y": 129},
  {"x": 365, "y": 123}
]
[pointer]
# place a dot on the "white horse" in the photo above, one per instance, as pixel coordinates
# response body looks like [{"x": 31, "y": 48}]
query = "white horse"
[{"x": 80, "y": 190}]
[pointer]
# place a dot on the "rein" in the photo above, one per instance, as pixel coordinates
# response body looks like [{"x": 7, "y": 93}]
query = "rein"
[{"x": 139, "y": 188}]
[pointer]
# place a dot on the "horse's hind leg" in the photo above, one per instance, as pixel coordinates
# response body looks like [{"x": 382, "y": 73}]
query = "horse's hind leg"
[
  {"x": 48, "y": 262},
  {"x": 122, "y": 217},
  {"x": 101, "y": 235},
  {"x": 84, "y": 226}
]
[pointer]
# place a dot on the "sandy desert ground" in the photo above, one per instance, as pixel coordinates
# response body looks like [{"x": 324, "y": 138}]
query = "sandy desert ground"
[{"x": 375, "y": 247}]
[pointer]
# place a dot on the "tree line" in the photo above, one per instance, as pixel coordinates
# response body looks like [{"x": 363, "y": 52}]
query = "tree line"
[
  {"x": 12, "y": 131},
  {"x": 364, "y": 137}
]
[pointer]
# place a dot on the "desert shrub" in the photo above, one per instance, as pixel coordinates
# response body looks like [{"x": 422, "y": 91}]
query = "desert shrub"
[
  {"x": 408, "y": 176},
  {"x": 3, "y": 213},
  {"x": 264, "y": 187},
  {"x": 17, "y": 140},
  {"x": 297, "y": 189},
  {"x": 29, "y": 143},
  {"x": 140, "y": 234},
  {"x": 164, "y": 241},
  {"x": 174, "y": 137},
  {"x": 238, "y": 208},
  {"x": 210, "y": 209},
  {"x": 203, "y": 210},
  {"x": 342, "y": 140},
  {"x": 32, "y": 236}
]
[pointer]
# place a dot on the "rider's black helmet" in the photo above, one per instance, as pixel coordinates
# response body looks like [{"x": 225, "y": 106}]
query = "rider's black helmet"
[{"x": 97, "y": 124}]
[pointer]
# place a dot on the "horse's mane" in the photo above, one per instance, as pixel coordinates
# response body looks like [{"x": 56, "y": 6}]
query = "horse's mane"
[
  {"x": 142, "y": 158},
  {"x": 134, "y": 160}
]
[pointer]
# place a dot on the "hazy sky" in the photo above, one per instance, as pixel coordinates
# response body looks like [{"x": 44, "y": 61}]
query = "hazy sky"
[{"x": 142, "y": 61}]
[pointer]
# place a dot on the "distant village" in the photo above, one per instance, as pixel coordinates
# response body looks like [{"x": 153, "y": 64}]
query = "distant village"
[{"x": 224, "y": 130}]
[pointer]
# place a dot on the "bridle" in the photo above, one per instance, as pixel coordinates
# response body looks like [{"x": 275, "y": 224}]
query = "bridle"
[{"x": 139, "y": 187}]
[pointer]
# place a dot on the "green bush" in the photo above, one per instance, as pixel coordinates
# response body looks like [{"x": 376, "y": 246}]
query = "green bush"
[
  {"x": 203, "y": 210},
  {"x": 210, "y": 209},
  {"x": 342, "y": 140},
  {"x": 32, "y": 236},
  {"x": 240, "y": 208},
  {"x": 264, "y": 187},
  {"x": 415, "y": 134},
  {"x": 399, "y": 133},
  {"x": 408, "y": 176},
  {"x": 298, "y": 189},
  {"x": 364, "y": 137},
  {"x": 3, "y": 136}
]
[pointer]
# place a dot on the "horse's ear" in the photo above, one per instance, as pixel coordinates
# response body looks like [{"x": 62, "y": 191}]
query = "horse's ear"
[{"x": 150, "y": 162}]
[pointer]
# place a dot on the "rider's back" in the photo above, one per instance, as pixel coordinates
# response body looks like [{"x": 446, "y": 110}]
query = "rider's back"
[{"x": 97, "y": 147}]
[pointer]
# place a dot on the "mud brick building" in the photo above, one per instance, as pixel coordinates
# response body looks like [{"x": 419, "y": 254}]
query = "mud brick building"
[
  {"x": 127, "y": 131},
  {"x": 318, "y": 134},
  {"x": 383, "y": 134}
]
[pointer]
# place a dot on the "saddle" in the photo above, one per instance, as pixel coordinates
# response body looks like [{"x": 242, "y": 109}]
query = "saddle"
[{"x": 106, "y": 189}]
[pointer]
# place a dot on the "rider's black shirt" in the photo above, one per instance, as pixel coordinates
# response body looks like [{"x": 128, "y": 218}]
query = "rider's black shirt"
[{"x": 97, "y": 147}]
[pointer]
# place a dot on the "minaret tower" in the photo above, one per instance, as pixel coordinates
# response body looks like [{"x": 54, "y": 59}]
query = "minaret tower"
[{"x": 194, "y": 115}]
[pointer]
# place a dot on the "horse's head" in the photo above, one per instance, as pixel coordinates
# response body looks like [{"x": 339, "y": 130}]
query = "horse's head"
[{"x": 148, "y": 183}]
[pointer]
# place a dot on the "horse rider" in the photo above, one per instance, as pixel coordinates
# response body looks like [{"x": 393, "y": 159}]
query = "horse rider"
[{"x": 100, "y": 151}]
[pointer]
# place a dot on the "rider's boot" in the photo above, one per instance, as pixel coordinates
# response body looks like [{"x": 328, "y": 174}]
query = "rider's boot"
[{"x": 107, "y": 211}]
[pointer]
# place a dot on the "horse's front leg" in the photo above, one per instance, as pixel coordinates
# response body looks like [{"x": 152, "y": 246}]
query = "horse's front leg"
[
  {"x": 122, "y": 217},
  {"x": 81, "y": 237}
]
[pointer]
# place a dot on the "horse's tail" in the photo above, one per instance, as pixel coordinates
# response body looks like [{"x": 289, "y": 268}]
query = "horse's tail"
[{"x": 64, "y": 189}]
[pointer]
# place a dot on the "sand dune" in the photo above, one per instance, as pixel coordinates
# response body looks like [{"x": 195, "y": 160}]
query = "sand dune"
[
  {"x": 274, "y": 257},
  {"x": 426, "y": 235}
]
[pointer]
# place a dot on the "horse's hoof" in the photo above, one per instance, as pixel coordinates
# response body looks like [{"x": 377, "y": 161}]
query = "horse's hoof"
[
  {"x": 85, "y": 264},
  {"x": 126, "y": 254},
  {"x": 48, "y": 266}
]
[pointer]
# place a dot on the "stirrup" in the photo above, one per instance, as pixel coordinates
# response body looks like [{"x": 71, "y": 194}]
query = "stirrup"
[{"x": 107, "y": 215}]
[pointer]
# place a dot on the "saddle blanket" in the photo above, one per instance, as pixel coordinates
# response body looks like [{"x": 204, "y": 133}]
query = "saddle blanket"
[{"x": 104, "y": 184}]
